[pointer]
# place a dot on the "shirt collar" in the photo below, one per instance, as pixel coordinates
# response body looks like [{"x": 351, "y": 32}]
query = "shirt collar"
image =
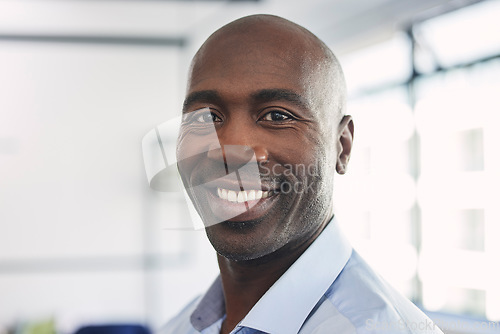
[
  {"x": 211, "y": 307},
  {"x": 286, "y": 305}
]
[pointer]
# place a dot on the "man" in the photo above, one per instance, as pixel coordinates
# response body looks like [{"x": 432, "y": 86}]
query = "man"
[{"x": 264, "y": 130}]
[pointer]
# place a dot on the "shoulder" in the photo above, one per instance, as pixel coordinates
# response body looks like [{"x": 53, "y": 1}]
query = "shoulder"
[
  {"x": 181, "y": 323},
  {"x": 360, "y": 301}
]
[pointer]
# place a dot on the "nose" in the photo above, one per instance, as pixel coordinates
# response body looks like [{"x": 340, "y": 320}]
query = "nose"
[{"x": 239, "y": 143}]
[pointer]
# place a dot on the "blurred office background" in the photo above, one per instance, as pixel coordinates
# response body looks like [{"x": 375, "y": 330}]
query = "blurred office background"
[{"x": 85, "y": 240}]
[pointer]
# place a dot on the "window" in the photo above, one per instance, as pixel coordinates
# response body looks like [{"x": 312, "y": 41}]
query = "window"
[{"x": 418, "y": 201}]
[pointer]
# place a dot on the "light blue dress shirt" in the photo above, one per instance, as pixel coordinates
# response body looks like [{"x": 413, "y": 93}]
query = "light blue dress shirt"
[{"x": 329, "y": 290}]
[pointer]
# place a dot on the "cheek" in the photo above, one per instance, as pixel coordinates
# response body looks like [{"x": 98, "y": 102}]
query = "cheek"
[
  {"x": 189, "y": 151},
  {"x": 319, "y": 161},
  {"x": 295, "y": 147},
  {"x": 315, "y": 151},
  {"x": 304, "y": 165},
  {"x": 196, "y": 141}
]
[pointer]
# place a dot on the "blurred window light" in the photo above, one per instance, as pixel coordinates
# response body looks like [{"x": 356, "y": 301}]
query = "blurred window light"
[
  {"x": 456, "y": 119},
  {"x": 381, "y": 64},
  {"x": 469, "y": 302},
  {"x": 469, "y": 230},
  {"x": 425, "y": 161},
  {"x": 466, "y": 301},
  {"x": 376, "y": 114},
  {"x": 378, "y": 193},
  {"x": 459, "y": 37},
  {"x": 471, "y": 156}
]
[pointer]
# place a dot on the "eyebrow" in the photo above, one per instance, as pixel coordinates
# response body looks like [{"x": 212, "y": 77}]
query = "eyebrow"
[
  {"x": 261, "y": 96},
  {"x": 278, "y": 94},
  {"x": 201, "y": 96}
]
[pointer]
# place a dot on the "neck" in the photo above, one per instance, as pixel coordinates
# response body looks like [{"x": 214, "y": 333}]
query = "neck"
[{"x": 245, "y": 282}]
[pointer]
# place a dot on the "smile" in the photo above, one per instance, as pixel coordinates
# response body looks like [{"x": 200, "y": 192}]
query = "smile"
[
  {"x": 239, "y": 206},
  {"x": 242, "y": 196}
]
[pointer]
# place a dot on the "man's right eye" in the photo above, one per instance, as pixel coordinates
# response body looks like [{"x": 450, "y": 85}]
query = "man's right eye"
[
  {"x": 208, "y": 117},
  {"x": 203, "y": 116}
]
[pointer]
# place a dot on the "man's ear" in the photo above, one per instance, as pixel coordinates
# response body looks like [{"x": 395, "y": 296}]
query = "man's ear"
[{"x": 344, "y": 143}]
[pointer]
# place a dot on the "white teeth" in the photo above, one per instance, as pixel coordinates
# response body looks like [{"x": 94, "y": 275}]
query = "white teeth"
[
  {"x": 223, "y": 194},
  {"x": 242, "y": 196},
  {"x": 231, "y": 196},
  {"x": 258, "y": 194},
  {"x": 251, "y": 195}
]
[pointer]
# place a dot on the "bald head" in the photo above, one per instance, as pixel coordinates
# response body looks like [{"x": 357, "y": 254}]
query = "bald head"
[{"x": 243, "y": 39}]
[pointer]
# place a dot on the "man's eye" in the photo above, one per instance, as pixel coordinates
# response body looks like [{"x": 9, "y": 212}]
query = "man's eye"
[
  {"x": 276, "y": 116},
  {"x": 208, "y": 118}
]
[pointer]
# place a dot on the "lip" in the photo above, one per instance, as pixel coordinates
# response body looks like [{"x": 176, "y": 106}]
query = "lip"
[{"x": 249, "y": 210}]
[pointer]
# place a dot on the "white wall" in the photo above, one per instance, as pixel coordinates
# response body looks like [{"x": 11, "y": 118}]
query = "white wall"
[{"x": 83, "y": 236}]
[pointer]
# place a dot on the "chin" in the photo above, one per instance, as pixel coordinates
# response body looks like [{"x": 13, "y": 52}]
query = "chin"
[{"x": 241, "y": 241}]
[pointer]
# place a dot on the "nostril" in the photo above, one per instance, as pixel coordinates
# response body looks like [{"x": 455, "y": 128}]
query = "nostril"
[
  {"x": 261, "y": 155},
  {"x": 238, "y": 154}
]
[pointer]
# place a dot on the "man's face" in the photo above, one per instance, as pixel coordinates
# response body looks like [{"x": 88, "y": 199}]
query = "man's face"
[{"x": 259, "y": 114}]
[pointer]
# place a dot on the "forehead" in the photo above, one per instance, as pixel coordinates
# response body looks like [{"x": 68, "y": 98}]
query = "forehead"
[{"x": 262, "y": 59}]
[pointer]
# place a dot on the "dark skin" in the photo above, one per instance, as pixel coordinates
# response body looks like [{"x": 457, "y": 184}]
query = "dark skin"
[{"x": 261, "y": 81}]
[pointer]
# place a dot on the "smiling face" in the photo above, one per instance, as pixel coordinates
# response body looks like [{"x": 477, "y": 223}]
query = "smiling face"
[{"x": 258, "y": 146}]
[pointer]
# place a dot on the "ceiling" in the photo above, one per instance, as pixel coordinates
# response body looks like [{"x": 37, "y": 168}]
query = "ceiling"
[{"x": 344, "y": 24}]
